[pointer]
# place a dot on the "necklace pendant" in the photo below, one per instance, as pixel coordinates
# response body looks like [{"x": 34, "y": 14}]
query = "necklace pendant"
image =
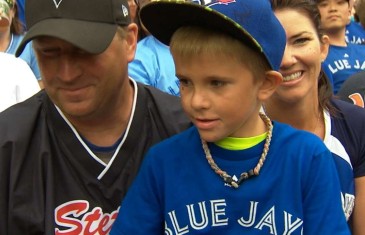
[
  {"x": 230, "y": 181},
  {"x": 234, "y": 182}
]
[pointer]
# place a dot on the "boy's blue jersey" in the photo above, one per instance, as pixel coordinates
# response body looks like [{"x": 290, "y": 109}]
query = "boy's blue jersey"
[{"x": 176, "y": 192}]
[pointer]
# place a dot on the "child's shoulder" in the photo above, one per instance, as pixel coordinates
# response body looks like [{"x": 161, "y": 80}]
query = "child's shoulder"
[
  {"x": 284, "y": 133},
  {"x": 286, "y": 129},
  {"x": 169, "y": 152},
  {"x": 300, "y": 145}
]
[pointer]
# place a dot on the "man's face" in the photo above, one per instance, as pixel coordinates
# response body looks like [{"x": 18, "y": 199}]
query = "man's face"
[
  {"x": 335, "y": 14},
  {"x": 81, "y": 84}
]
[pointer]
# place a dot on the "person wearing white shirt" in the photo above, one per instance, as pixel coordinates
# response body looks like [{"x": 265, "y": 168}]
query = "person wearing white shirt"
[{"x": 17, "y": 81}]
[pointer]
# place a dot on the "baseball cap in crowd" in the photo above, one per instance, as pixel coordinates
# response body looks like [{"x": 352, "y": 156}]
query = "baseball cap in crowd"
[
  {"x": 87, "y": 24},
  {"x": 5, "y": 7},
  {"x": 251, "y": 21}
]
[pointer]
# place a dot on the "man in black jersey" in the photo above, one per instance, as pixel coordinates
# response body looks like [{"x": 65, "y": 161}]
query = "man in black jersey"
[{"x": 69, "y": 153}]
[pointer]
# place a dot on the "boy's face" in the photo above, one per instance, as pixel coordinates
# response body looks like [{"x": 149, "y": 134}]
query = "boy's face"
[
  {"x": 219, "y": 95},
  {"x": 335, "y": 14}
]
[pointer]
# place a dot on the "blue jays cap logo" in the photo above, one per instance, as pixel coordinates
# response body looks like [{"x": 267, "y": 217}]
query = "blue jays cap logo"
[{"x": 214, "y": 2}]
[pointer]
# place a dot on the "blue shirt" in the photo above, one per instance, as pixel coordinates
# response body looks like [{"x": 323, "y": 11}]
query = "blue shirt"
[
  {"x": 153, "y": 65},
  {"x": 176, "y": 192},
  {"x": 342, "y": 62},
  {"x": 355, "y": 33}
]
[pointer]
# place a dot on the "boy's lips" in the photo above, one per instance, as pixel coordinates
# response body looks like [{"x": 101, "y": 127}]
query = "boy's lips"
[{"x": 205, "y": 123}]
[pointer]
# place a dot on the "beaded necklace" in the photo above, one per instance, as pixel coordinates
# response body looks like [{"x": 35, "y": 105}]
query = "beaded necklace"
[{"x": 245, "y": 175}]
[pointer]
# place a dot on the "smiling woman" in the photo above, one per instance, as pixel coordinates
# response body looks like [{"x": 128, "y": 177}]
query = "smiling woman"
[{"x": 306, "y": 92}]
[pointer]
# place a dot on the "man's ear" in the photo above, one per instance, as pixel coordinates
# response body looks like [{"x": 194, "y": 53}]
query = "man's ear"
[
  {"x": 272, "y": 80},
  {"x": 131, "y": 41}
]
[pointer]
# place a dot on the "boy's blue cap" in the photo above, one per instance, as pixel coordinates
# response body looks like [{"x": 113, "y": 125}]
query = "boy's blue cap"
[{"x": 251, "y": 21}]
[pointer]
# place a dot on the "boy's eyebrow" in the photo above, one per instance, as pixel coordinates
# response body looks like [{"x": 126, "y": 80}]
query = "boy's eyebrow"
[{"x": 210, "y": 77}]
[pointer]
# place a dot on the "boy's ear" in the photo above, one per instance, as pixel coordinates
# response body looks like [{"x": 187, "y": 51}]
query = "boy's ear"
[{"x": 272, "y": 80}]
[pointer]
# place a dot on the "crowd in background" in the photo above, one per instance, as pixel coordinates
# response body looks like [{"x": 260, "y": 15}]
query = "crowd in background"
[{"x": 327, "y": 45}]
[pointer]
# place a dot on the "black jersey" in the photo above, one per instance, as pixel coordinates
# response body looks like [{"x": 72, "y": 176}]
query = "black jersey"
[
  {"x": 50, "y": 183},
  {"x": 347, "y": 129}
]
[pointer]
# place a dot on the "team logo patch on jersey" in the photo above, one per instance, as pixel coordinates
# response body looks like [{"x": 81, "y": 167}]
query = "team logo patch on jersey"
[
  {"x": 76, "y": 217},
  {"x": 357, "y": 99}
]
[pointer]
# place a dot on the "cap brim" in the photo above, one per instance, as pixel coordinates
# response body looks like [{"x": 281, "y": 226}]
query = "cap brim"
[
  {"x": 89, "y": 36},
  {"x": 163, "y": 18}
]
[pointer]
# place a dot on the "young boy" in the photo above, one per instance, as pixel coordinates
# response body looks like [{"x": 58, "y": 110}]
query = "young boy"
[{"x": 235, "y": 171}]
